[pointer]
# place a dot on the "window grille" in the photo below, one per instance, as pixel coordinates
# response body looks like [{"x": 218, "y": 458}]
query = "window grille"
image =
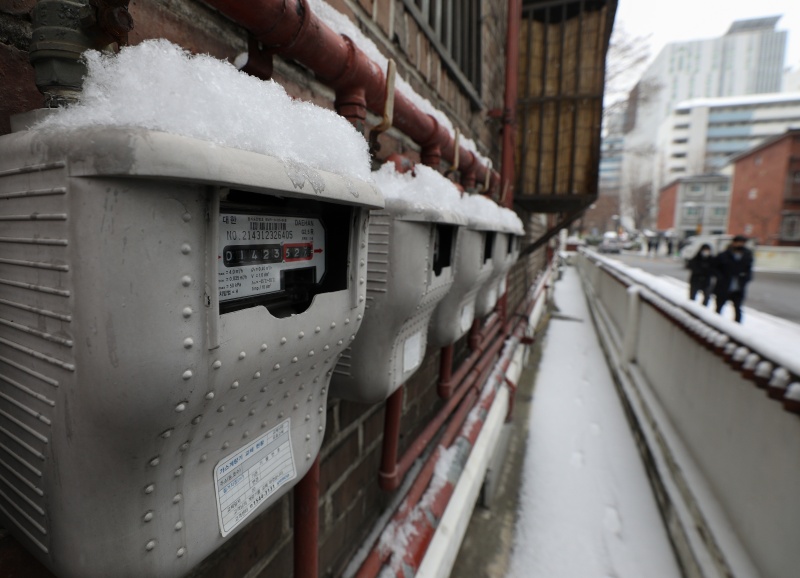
[{"x": 453, "y": 28}]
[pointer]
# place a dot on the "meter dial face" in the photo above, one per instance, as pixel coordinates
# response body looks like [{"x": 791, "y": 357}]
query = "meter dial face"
[{"x": 255, "y": 252}]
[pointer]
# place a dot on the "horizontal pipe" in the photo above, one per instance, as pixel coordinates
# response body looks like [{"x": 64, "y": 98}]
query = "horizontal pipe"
[
  {"x": 423, "y": 528},
  {"x": 448, "y": 382},
  {"x": 289, "y": 28},
  {"x": 376, "y": 558}
]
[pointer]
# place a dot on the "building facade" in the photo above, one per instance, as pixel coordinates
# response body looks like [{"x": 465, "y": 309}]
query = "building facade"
[
  {"x": 702, "y": 135},
  {"x": 765, "y": 195},
  {"x": 694, "y": 205},
  {"x": 747, "y": 60}
]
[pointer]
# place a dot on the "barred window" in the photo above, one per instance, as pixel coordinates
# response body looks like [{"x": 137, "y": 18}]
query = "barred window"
[
  {"x": 790, "y": 228},
  {"x": 453, "y": 28}
]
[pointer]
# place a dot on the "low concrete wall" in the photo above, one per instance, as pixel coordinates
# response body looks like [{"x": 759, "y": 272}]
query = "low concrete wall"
[
  {"x": 778, "y": 258},
  {"x": 722, "y": 455}
]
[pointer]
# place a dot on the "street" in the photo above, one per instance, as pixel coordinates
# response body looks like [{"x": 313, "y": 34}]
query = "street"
[{"x": 769, "y": 292}]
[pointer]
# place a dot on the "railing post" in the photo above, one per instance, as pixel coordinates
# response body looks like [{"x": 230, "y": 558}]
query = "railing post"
[{"x": 631, "y": 335}]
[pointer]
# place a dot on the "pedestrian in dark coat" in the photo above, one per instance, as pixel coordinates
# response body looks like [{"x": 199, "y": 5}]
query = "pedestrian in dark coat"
[
  {"x": 702, "y": 268},
  {"x": 733, "y": 269}
]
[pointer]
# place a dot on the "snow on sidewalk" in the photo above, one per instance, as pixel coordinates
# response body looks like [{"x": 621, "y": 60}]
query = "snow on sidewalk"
[{"x": 586, "y": 506}]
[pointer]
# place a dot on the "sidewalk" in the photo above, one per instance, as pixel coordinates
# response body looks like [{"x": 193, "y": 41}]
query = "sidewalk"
[{"x": 581, "y": 501}]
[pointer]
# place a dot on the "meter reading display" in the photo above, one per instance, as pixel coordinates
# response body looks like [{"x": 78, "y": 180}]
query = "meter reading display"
[{"x": 255, "y": 251}]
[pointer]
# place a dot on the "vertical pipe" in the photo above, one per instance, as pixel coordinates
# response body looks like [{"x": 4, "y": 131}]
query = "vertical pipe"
[
  {"x": 387, "y": 476},
  {"x": 446, "y": 371},
  {"x": 510, "y": 103},
  {"x": 306, "y": 524}
]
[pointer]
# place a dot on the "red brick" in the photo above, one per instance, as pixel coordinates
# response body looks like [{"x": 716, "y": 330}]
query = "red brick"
[
  {"x": 17, "y": 7},
  {"x": 767, "y": 169},
  {"x": 424, "y": 51},
  {"x": 367, "y": 5},
  {"x": 365, "y": 474},
  {"x": 241, "y": 552},
  {"x": 18, "y": 92},
  {"x": 281, "y": 565},
  {"x": 342, "y": 7},
  {"x": 383, "y": 18},
  {"x": 373, "y": 427},
  {"x": 337, "y": 547},
  {"x": 667, "y": 198},
  {"x": 154, "y": 20},
  {"x": 338, "y": 461},
  {"x": 412, "y": 31},
  {"x": 350, "y": 412}
]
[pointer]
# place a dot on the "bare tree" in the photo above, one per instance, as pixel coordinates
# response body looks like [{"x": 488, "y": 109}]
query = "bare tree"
[
  {"x": 641, "y": 205},
  {"x": 626, "y": 57}
]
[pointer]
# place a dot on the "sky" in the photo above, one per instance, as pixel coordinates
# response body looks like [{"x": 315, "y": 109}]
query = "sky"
[{"x": 679, "y": 20}]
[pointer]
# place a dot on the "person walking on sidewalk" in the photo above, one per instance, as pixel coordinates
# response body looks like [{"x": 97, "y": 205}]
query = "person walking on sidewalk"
[
  {"x": 702, "y": 268},
  {"x": 733, "y": 269}
]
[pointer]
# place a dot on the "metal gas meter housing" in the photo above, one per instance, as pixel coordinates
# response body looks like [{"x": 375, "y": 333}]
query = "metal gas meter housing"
[
  {"x": 131, "y": 404},
  {"x": 410, "y": 270}
]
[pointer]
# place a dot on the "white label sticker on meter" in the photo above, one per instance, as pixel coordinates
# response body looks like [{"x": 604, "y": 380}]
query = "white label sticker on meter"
[
  {"x": 254, "y": 251},
  {"x": 503, "y": 286},
  {"x": 246, "y": 478},
  {"x": 467, "y": 315},
  {"x": 412, "y": 351}
]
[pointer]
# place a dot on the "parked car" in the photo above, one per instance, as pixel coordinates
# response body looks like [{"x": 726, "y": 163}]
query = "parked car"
[{"x": 609, "y": 245}]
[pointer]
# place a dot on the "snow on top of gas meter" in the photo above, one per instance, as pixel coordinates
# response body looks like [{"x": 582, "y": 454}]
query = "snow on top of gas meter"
[
  {"x": 425, "y": 191},
  {"x": 159, "y": 86},
  {"x": 489, "y": 215}
]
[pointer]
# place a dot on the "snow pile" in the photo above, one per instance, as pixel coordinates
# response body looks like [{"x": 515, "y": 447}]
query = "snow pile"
[
  {"x": 488, "y": 214},
  {"x": 159, "y": 86},
  {"x": 341, "y": 24},
  {"x": 586, "y": 505},
  {"x": 427, "y": 190}
]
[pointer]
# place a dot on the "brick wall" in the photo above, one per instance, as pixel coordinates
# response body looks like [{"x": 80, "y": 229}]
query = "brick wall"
[
  {"x": 350, "y": 500},
  {"x": 667, "y": 199},
  {"x": 757, "y": 192}
]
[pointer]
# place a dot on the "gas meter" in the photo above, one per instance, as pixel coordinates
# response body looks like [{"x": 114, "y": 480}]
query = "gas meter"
[
  {"x": 505, "y": 252},
  {"x": 473, "y": 266},
  {"x": 409, "y": 271},
  {"x": 170, "y": 314}
]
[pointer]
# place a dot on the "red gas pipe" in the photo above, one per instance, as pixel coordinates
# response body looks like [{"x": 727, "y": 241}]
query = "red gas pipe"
[
  {"x": 290, "y": 29},
  {"x": 423, "y": 528},
  {"x": 447, "y": 378}
]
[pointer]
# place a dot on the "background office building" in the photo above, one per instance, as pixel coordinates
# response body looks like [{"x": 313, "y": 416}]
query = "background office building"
[
  {"x": 748, "y": 59},
  {"x": 702, "y": 135}
]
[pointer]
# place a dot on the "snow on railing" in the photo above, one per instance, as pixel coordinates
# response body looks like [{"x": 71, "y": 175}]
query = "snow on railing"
[{"x": 764, "y": 348}]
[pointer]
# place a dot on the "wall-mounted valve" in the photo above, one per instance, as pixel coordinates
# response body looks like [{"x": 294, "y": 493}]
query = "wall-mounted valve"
[{"x": 62, "y": 31}]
